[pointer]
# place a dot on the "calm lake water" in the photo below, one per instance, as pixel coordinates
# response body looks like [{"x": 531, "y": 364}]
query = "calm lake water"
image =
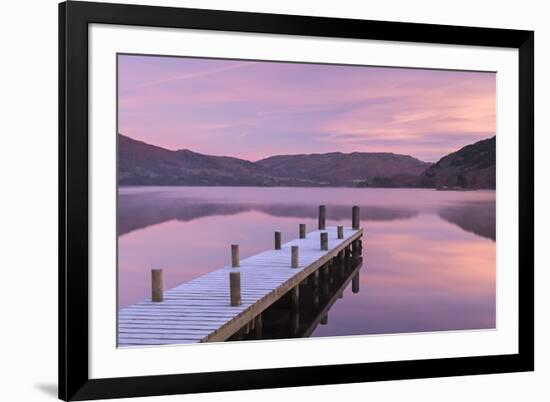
[{"x": 429, "y": 257}]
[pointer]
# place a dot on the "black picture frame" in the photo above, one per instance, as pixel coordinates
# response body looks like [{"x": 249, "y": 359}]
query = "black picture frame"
[{"x": 74, "y": 18}]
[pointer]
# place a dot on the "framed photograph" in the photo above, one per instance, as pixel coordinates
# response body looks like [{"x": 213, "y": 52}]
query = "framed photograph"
[{"x": 257, "y": 200}]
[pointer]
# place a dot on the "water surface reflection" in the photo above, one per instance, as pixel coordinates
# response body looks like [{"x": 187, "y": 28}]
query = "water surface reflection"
[
  {"x": 429, "y": 255},
  {"x": 137, "y": 211}
]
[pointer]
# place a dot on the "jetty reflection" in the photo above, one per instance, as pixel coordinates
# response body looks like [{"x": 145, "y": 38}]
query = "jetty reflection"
[{"x": 318, "y": 293}]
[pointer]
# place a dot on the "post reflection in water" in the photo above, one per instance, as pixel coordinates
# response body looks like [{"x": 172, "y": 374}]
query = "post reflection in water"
[
  {"x": 429, "y": 256},
  {"x": 290, "y": 318}
]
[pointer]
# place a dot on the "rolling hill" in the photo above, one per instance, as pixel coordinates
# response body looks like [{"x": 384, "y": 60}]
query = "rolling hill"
[
  {"x": 341, "y": 169},
  {"x": 140, "y": 163},
  {"x": 471, "y": 167}
]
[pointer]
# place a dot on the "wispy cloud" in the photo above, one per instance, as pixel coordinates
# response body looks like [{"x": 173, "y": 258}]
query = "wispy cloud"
[
  {"x": 193, "y": 75},
  {"x": 209, "y": 105}
]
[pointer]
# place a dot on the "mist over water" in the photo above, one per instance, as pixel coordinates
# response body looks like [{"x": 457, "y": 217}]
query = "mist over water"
[{"x": 429, "y": 257}]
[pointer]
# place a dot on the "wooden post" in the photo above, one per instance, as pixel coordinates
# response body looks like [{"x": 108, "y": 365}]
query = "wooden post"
[
  {"x": 277, "y": 240},
  {"x": 325, "y": 278},
  {"x": 156, "y": 285},
  {"x": 294, "y": 317},
  {"x": 340, "y": 263},
  {"x": 341, "y": 258},
  {"x": 294, "y": 297},
  {"x": 357, "y": 249},
  {"x": 235, "y": 288},
  {"x": 347, "y": 256},
  {"x": 315, "y": 298},
  {"x": 302, "y": 230},
  {"x": 258, "y": 327},
  {"x": 355, "y": 217},
  {"x": 305, "y": 282},
  {"x": 294, "y": 258},
  {"x": 324, "y": 241},
  {"x": 235, "y": 260},
  {"x": 326, "y": 270},
  {"x": 355, "y": 283},
  {"x": 294, "y": 313},
  {"x": 315, "y": 277},
  {"x": 340, "y": 232},
  {"x": 322, "y": 217}
]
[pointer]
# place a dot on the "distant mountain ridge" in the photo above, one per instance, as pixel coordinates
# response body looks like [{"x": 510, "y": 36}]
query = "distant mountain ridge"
[
  {"x": 341, "y": 169},
  {"x": 472, "y": 167},
  {"x": 140, "y": 163},
  {"x": 145, "y": 164}
]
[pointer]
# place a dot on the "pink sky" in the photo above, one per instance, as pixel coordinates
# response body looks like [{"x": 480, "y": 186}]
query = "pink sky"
[{"x": 252, "y": 110}]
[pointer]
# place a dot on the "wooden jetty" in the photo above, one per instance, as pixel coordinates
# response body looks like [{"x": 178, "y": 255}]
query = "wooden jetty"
[{"x": 220, "y": 304}]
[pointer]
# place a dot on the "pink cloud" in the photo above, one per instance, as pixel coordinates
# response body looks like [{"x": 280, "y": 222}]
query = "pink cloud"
[{"x": 212, "y": 106}]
